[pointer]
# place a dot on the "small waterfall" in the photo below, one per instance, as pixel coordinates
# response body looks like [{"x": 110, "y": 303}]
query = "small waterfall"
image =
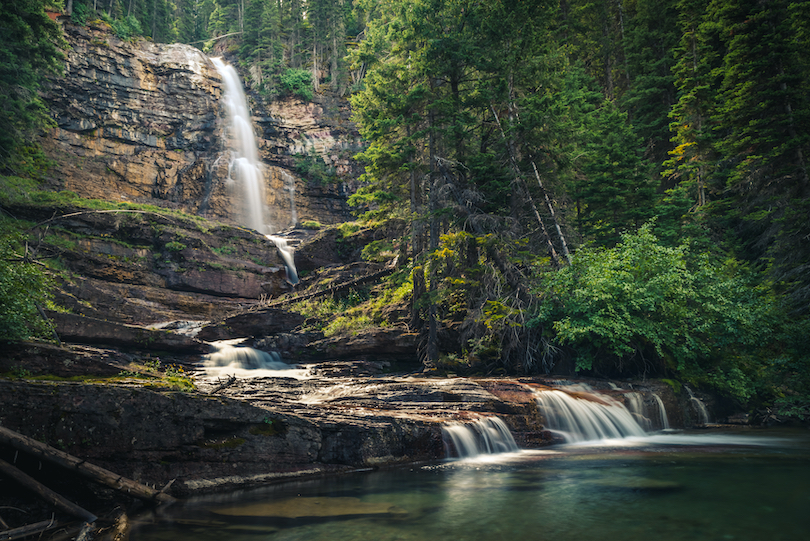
[
  {"x": 662, "y": 412},
  {"x": 243, "y": 357},
  {"x": 579, "y": 415},
  {"x": 247, "y": 169},
  {"x": 485, "y": 436},
  {"x": 287, "y": 255},
  {"x": 699, "y": 407},
  {"x": 638, "y": 409}
]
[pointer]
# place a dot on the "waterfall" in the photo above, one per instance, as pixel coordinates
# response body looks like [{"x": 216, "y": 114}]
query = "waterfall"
[
  {"x": 640, "y": 411},
  {"x": 699, "y": 407},
  {"x": 637, "y": 408},
  {"x": 662, "y": 412},
  {"x": 485, "y": 436},
  {"x": 580, "y": 414},
  {"x": 243, "y": 357},
  {"x": 245, "y": 169}
]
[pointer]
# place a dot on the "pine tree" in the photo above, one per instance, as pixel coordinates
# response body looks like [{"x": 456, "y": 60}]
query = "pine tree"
[{"x": 28, "y": 50}]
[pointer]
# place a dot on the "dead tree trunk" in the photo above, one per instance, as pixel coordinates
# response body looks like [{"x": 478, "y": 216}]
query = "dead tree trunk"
[
  {"x": 29, "y": 530},
  {"x": 91, "y": 471},
  {"x": 44, "y": 493},
  {"x": 519, "y": 179}
]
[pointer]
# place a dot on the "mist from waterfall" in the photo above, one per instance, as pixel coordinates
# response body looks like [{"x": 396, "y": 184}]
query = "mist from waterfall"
[{"x": 245, "y": 169}]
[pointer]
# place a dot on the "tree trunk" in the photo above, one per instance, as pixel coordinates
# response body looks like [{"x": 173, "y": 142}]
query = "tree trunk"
[
  {"x": 91, "y": 471},
  {"x": 29, "y": 530},
  {"x": 519, "y": 180},
  {"x": 45, "y": 493}
]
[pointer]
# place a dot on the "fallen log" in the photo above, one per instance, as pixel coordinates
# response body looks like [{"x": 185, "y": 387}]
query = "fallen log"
[
  {"x": 82, "y": 467},
  {"x": 46, "y": 494},
  {"x": 28, "y": 529}
]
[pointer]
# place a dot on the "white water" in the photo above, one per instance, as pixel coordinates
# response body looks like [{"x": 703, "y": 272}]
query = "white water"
[
  {"x": 245, "y": 169},
  {"x": 637, "y": 408},
  {"x": 642, "y": 413},
  {"x": 662, "y": 412},
  {"x": 586, "y": 416},
  {"x": 699, "y": 407},
  {"x": 230, "y": 359},
  {"x": 485, "y": 436}
]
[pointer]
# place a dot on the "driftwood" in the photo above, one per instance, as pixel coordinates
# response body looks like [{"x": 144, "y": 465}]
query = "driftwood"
[
  {"x": 45, "y": 493},
  {"x": 227, "y": 383},
  {"x": 28, "y": 529},
  {"x": 91, "y": 471}
]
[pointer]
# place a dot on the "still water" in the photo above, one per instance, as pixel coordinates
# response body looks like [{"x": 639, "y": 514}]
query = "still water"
[{"x": 752, "y": 485}]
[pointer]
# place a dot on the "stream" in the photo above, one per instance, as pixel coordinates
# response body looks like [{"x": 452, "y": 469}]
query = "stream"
[{"x": 687, "y": 485}]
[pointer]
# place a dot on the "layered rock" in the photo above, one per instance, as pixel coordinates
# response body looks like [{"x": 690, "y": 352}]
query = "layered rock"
[
  {"x": 140, "y": 267},
  {"x": 142, "y": 122}
]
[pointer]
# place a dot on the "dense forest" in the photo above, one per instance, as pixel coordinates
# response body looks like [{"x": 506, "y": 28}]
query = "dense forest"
[{"x": 613, "y": 187}]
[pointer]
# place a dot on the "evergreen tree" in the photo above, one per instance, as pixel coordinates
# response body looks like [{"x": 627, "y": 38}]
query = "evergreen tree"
[
  {"x": 29, "y": 49},
  {"x": 651, "y": 35}
]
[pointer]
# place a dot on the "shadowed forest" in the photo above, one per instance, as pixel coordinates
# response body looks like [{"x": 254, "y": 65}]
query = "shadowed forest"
[{"x": 612, "y": 188}]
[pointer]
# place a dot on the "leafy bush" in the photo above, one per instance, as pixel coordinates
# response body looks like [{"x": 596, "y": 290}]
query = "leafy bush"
[
  {"x": 126, "y": 28},
  {"x": 175, "y": 246},
  {"x": 643, "y": 307},
  {"x": 297, "y": 82},
  {"x": 22, "y": 286}
]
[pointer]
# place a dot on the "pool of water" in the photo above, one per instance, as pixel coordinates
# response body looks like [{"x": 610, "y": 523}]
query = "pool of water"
[{"x": 752, "y": 485}]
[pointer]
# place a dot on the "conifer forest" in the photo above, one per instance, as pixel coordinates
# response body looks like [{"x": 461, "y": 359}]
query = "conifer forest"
[{"x": 614, "y": 188}]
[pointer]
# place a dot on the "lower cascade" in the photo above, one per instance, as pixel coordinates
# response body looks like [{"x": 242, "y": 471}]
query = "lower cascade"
[
  {"x": 579, "y": 414},
  {"x": 244, "y": 357},
  {"x": 698, "y": 406},
  {"x": 485, "y": 436}
]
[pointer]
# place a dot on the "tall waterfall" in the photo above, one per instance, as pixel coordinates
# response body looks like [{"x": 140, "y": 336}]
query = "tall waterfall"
[
  {"x": 246, "y": 169},
  {"x": 483, "y": 437},
  {"x": 579, "y": 414}
]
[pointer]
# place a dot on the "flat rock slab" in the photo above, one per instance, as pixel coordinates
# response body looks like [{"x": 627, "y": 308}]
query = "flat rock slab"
[{"x": 86, "y": 330}]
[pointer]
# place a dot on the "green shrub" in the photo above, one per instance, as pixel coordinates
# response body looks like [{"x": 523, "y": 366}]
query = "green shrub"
[
  {"x": 23, "y": 285},
  {"x": 644, "y": 307},
  {"x": 297, "y": 82},
  {"x": 175, "y": 246}
]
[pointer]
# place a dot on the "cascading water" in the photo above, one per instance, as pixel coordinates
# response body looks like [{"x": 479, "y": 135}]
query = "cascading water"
[
  {"x": 637, "y": 408},
  {"x": 245, "y": 168},
  {"x": 641, "y": 411},
  {"x": 699, "y": 407},
  {"x": 579, "y": 415},
  {"x": 243, "y": 357},
  {"x": 485, "y": 436},
  {"x": 662, "y": 412}
]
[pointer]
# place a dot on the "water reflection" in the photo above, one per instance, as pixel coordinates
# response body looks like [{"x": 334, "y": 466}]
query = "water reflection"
[{"x": 742, "y": 487}]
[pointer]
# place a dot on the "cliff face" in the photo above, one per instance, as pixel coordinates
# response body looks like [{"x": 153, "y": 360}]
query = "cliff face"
[{"x": 142, "y": 122}]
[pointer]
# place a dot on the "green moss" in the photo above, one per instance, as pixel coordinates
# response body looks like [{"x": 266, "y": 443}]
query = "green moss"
[
  {"x": 270, "y": 427},
  {"x": 230, "y": 443},
  {"x": 175, "y": 246},
  {"x": 676, "y": 385}
]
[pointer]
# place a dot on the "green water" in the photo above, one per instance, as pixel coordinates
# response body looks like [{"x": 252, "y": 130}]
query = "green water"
[{"x": 704, "y": 486}]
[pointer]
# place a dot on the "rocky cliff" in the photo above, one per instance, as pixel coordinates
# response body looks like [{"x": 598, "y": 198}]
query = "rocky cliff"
[{"x": 142, "y": 122}]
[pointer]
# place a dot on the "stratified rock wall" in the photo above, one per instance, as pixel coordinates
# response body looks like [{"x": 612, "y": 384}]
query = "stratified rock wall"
[
  {"x": 136, "y": 122},
  {"x": 142, "y": 122}
]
